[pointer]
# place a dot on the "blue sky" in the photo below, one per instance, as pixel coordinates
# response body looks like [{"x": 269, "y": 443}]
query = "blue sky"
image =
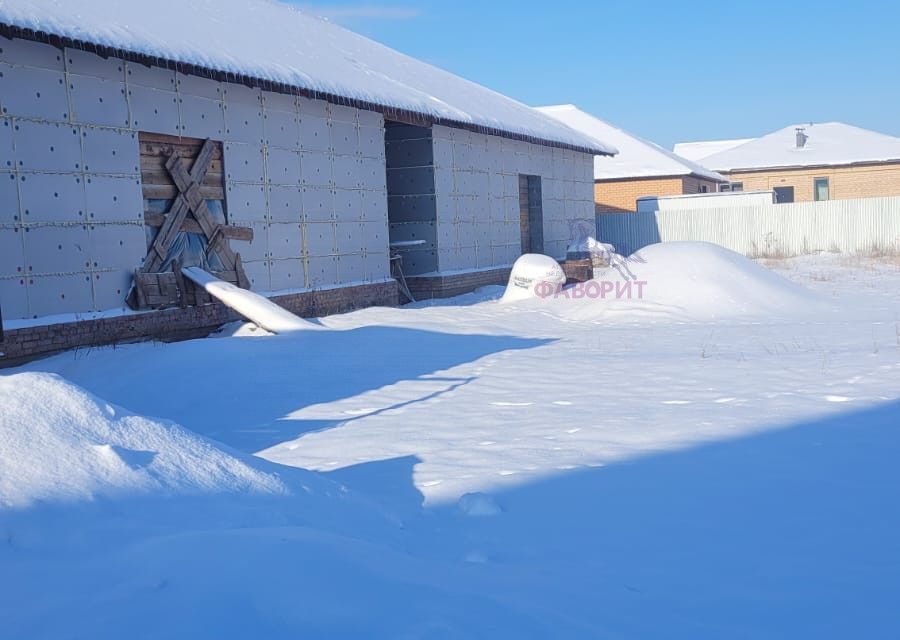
[{"x": 669, "y": 71}]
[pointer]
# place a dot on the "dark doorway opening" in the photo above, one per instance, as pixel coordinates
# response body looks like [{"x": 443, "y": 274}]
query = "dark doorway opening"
[{"x": 531, "y": 214}]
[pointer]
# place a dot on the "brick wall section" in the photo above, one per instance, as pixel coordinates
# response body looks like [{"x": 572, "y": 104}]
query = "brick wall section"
[
  {"x": 620, "y": 196},
  {"x": 844, "y": 183},
  {"x": 21, "y": 345},
  {"x": 447, "y": 286}
]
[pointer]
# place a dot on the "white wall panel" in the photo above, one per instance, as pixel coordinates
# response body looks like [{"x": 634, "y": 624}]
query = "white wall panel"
[
  {"x": 137, "y": 74},
  {"x": 47, "y": 197},
  {"x": 13, "y": 298},
  {"x": 110, "y": 288},
  {"x": 282, "y": 129},
  {"x": 318, "y": 204},
  {"x": 258, "y": 274},
  {"x": 258, "y": 248},
  {"x": 373, "y": 206},
  {"x": 285, "y": 204},
  {"x": 322, "y": 271},
  {"x": 98, "y": 101},
  {"x": 283, "y": 166},
  {"x": 316, "y": 169},
  {"x": 57, "y": 249},
  {"x": 315, "y": 133},
  {"x": 345, "y": 172},
  {"x": 33, "y": 93},
  {"x": 111, "y": 199},
  {"x": 372, "y": 174},
  {"x": 310, "y": 108},
  {"x": 243, "y": 119},
  {"x": 375, "y": 236},
  {"x": 115, "y": 246},
  {"x": 44, "y": 146},
  {"x": 246, "y": 202},
  {"x": 349, "y": 237},
  {"x": 32, "y": 54},
  {"x": 201, "y": 117},
  {"x": 319, "y": 238},
  {"x": 352, "y": 267},
  {"x": 377, "y": 266},
  {"x": 371, "y": 142},
  {"x": 341, "y": 113},
  {"x": 285, "y": 240},
  {"x": 12, "y": 251},
  {"x": 347, "y": 205},
  {"x": 9, "y": 199},
  {"x": 110, "y": 151},
  {"x": 188, "y": 85},
  {"x": 287, "y": 274},
  {"x": 344, "y": 138},
  {"x": 154, "y": 110},
  {"x": 244, "y": 162}
]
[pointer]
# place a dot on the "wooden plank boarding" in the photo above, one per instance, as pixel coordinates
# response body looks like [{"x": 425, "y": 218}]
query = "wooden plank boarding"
[{"x": 165, "y": 176}]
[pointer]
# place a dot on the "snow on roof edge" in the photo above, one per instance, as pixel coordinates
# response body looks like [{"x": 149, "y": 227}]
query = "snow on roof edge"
[
  {"x": 76, "y": 37},
  {"x": 685, "y": 167}
]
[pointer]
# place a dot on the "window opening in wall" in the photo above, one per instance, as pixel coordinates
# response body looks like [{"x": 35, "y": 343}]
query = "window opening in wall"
[
  {"x": 820, "y": 189},
  {"x": 732, "y": 186},
  {"x": 784, "y": 195},
  {"x": 531, "y": 214},
  {"x": 185, "y": 219}
]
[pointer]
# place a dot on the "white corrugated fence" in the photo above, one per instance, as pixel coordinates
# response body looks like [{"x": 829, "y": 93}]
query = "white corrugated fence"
[{"x": 869, "y": 225}]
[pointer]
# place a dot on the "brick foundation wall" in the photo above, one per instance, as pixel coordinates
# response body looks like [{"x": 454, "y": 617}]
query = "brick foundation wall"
[
  {"x": 21, "y": 345},
  {"x": 447, "y": 286}
]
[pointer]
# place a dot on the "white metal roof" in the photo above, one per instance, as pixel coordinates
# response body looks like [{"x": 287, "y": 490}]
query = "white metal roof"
[
  {"x": 696, "y": 151},
  {"x": 269, "y": 41},
  {"x": 637, "y": 158},
  {"x": 827, "y": 144}
]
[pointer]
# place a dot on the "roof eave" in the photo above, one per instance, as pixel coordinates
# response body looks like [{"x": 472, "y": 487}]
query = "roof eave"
[{"x": 391, "y": 113}]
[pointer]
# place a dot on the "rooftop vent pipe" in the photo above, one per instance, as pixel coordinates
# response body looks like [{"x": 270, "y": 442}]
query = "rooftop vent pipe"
[{"x": 801, "y": 137}]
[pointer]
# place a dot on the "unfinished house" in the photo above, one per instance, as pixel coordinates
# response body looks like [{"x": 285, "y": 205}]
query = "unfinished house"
[{"x": 272, "y": 149}]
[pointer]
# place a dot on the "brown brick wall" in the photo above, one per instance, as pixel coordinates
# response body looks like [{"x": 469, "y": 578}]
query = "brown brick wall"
[
  {"x": 844, "y": 182},
  {"x": 20, "y": 345},
  {"x": 429, "y": 287},
  {"x": 618, "y": 196}
]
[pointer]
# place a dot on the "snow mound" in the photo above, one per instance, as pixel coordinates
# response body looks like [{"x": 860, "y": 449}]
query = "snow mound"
[
  {"x": 59, "y": 443},
  {"x": 687, "y": 280},
  {"x": 529, "y": 274}
]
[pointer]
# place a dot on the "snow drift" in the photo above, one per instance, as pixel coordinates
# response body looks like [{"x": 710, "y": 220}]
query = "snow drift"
[
  {"x": 687, "y": 280},
  {"x": 59, "y": 443}
]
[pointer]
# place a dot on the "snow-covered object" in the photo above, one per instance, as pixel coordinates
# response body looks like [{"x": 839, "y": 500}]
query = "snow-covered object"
[
  {"x": 590, "y": 245},
  {"x": 828, "y": 143},
  {"x": 252, "y": 306},
  {"x": 271, "y": 41},
  {"x": 59, "y": 443},
  {"x": 530, "y": 272},
  {"x": 637, "y": 158},
  {"x": 478, "y": 505},
  {"x": 697, "y": 151},
  {"x": 689, "y": 281}
]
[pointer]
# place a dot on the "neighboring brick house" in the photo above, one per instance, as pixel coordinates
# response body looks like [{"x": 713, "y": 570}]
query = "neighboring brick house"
[
  {"x": 806, "y": 162},
  {"x": 641, "y": 168}
]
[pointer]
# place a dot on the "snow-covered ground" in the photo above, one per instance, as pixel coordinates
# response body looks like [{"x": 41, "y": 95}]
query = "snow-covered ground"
[{"x": 716, "y": 459}]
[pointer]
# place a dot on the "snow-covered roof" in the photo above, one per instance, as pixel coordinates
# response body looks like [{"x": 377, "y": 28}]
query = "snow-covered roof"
[
  {"x": 637, "y": 158},
  {"x": 696, "y": 151},
  {"x": 827, "y": 144},
  {"x": 271, "y": 42}
]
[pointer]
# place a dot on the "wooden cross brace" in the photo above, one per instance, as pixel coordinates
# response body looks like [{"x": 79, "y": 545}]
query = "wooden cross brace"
[{"x": 190, "y": 201}]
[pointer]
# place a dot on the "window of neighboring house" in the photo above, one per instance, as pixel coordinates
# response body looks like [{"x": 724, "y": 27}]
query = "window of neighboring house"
[
  {"x": 784, "y": 194},
  {"x": 732, "y": 186},
  {"x": 704, "y": 188},
  {"x": 820, "y": 189}
]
